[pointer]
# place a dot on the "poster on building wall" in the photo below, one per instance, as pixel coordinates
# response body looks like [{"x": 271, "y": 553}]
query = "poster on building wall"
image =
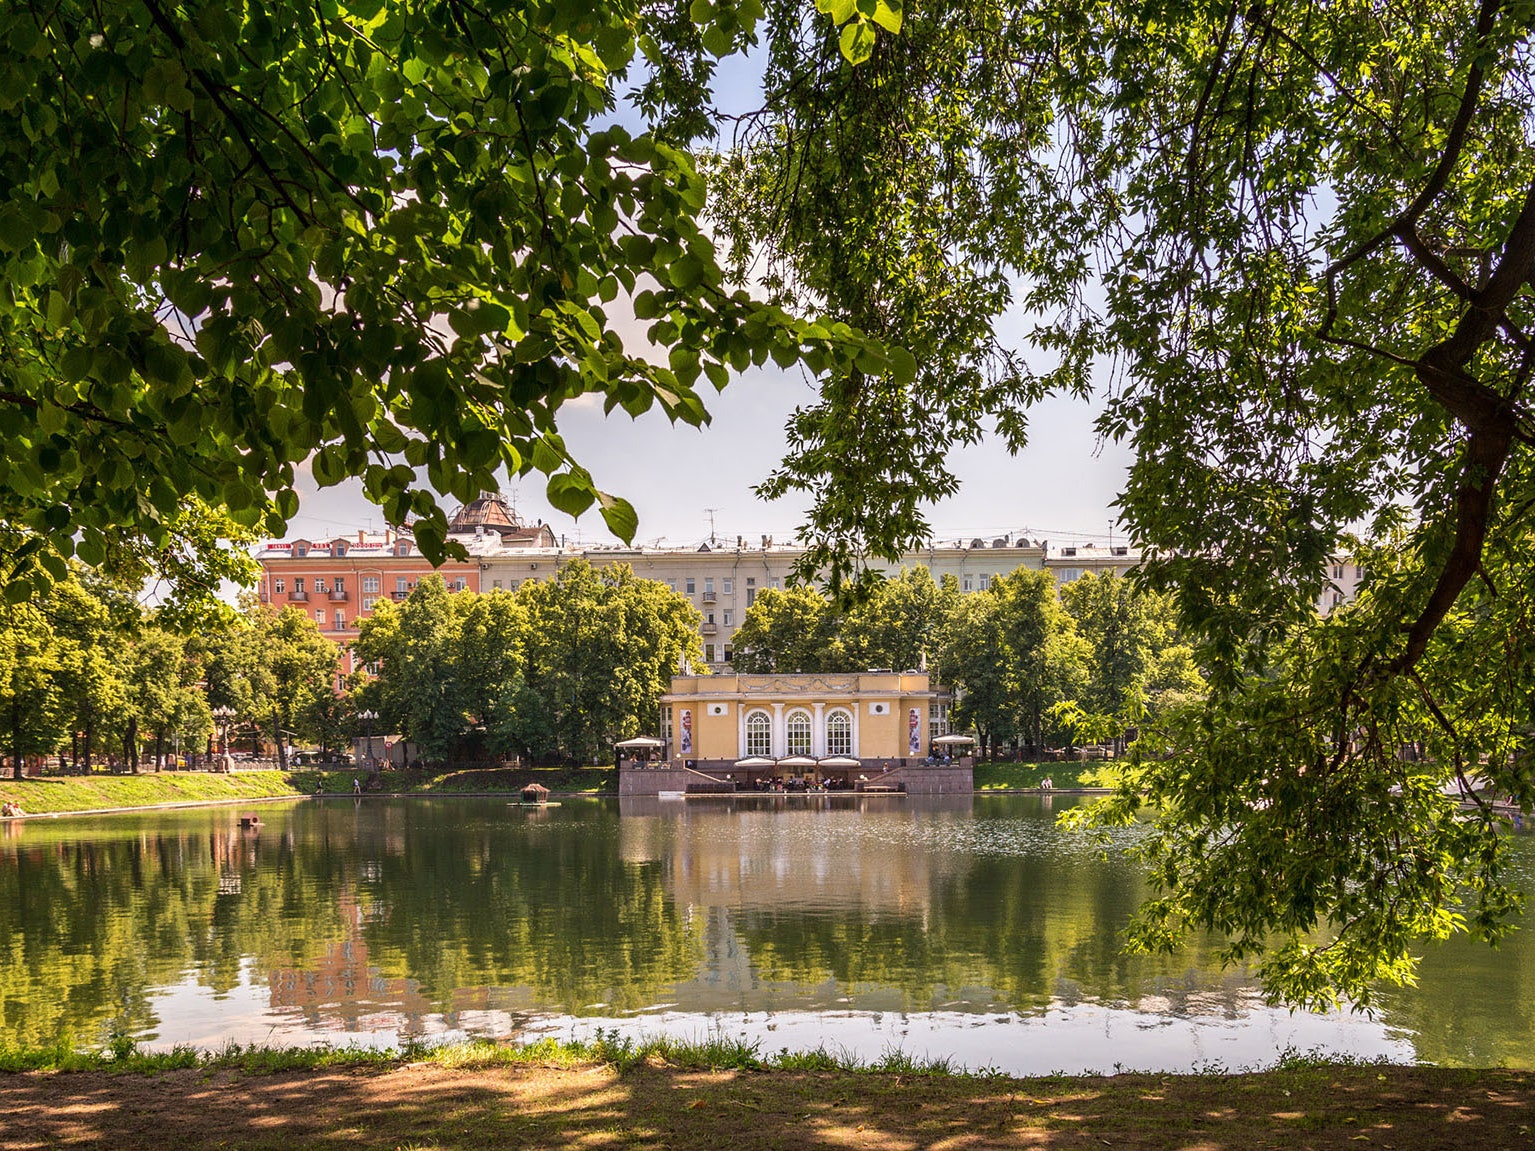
[
  {"x": 914, "y": 732},
  {"x": 685, "y": 742}
]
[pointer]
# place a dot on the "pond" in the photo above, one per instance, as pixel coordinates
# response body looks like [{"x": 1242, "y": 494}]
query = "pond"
[{"x": 966, "y": 928}]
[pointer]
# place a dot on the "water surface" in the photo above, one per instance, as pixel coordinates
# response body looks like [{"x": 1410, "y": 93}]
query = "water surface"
[{"x": 972, "y": 929}]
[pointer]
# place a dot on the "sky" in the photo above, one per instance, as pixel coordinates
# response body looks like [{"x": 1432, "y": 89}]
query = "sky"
[{"x": 686, "y": 482}]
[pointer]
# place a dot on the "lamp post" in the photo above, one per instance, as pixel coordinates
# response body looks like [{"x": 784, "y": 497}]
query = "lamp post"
[
  {"x": 367, "y": 718},
  {"x": 223, "y": 714}
]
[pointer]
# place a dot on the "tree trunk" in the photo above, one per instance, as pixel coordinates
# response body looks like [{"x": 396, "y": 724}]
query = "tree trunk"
[
  {"x": 16, "y": 771},
  {"x": 90, "y": 730},
  {"x": 131, "y": 746},
  {"x": 159, "y": 749},
  {"x": 282, "y": 751}
]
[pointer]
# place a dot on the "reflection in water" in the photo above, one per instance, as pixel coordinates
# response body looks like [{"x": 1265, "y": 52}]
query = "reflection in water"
[{"x": 971, "y": 928}]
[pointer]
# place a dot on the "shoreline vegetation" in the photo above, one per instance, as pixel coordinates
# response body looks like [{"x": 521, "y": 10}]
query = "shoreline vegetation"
[
  {"x": 100, "y": 794},
  {"x": 718, "y": 1092}
]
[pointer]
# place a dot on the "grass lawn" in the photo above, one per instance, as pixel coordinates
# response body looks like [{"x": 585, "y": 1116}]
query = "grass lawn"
[
  {"x": 687, "y": 1099},
  {"x": 60, "y": 794},
  {"x": 1004, "y": 776}
]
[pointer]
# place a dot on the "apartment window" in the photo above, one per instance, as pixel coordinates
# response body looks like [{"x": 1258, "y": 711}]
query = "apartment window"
[
  {"x": 730, "y": 587},
  {"x": 401, "y": 584},
  {"x": 690, "y": 585},
  {"x": 368, "y": 601},
  {"x": 773, "y": 583},
  {"x": 708, "y": 586},
  {"x": 495, "y": 583},
  {"x": 751, "y": 590},
  {"x": 708, "y": 653},
  {"x": 319, "y": 616},
  {"x": 671, "y": 583},
  {"x": 1069, "y": 574},
  {"x": 730, "y": 618},
  {"x": 968, "y": 584},
  {"x": 301, "y": 550},
  {"x": 370, "y": 584},
  {"x": 340, "y": 621},
  {"x": 709, "y": 618},
  {"x": 298, "y": 585},
  {"x": 458, "y": 583},
  {"x": 339, "y": 583},
  {"x": 279, "y": 586},
  {"x": 728, "y": 653},
  {"x": 319, "y": 585},
  {"x": 985, "y": 582}
]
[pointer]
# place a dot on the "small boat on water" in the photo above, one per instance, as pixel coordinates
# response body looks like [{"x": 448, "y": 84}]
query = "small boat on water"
[{"x": 251, "y": 820}]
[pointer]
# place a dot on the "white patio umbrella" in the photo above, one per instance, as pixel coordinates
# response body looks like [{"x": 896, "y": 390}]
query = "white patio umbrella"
[
  {"x": 754, "y": 761},
  {"x": 840, "y": 761},
  {"x": 641, "y": 741}
]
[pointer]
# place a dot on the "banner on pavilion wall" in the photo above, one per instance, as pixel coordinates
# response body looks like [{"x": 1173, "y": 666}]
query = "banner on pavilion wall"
[
  {"x": 685, "y": 741},
  {"x": 914, "y": 732}
]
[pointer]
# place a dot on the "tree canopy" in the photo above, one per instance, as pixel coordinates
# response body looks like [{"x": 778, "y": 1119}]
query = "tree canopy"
[
  {"x": 374, "y": 240},
  {"x": 1291, "y": 242},
  {"x": 1293, "y": 246}
]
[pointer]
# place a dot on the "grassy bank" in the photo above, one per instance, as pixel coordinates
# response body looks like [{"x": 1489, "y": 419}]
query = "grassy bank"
[
  {"x": 58, "y": 795},
  {"x": 92, "y": 792},
  {"x": 686, "y": 1096},
  {"x": 1005, "y": 776}
]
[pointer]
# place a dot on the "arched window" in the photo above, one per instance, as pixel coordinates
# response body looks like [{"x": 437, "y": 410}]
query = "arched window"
[
  {"x": 839, "y": 733},
  {"x": 759, "y": 734},
  {"x": 798, "y": 729}
]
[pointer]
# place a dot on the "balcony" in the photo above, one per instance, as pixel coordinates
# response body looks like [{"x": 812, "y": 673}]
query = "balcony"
[
  {"x": 707, "y": 629},
  {"x": 708, "y": 597},
  {"x": 298, "y": 597},
  {"x": 338, "y": 595},
  {"x": 399, "y": 596}
]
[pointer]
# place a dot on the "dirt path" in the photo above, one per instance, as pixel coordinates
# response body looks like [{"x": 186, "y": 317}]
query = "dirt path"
[{"x": 425, "y": 1107}]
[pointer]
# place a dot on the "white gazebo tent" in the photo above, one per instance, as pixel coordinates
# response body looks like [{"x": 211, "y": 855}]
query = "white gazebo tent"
[
  {"x": 641, "y": 746},
  {"x": 952, "y": 743}
]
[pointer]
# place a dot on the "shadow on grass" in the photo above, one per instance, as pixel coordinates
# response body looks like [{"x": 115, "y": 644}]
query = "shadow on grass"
[{"x": 483, "y": 1099}]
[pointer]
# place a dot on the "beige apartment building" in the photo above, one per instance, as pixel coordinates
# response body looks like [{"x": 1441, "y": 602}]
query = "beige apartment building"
[{"x": 341, "y": 578}]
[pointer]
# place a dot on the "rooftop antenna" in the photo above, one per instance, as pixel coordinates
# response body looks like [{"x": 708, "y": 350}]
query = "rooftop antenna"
[{"x": 711, "y": 512}]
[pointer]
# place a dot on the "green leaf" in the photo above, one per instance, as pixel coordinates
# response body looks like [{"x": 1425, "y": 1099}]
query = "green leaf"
[
  {"x": 571, "y": 494},
  {"x": 622, "y": 520},
  {"x": 857, "y": 42}
]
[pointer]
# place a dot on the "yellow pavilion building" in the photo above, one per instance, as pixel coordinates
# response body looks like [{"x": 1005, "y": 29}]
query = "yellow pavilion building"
[{"x": 856, "y": 731}]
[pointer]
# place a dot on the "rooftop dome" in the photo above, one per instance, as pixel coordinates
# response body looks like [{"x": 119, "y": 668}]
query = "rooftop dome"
[{"x": 489, "y": 511}]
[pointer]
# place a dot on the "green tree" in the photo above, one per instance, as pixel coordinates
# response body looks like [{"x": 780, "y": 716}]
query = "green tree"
[
  {"x": 373, "y": 240},
  {"x": 602, "y": 648},
  {"x": 897, "y": 624},
  {"x": 32, "y": 707},
  {"x": 492, "y": 646},
  {"x": 973, "y": 663},
  {"x": 793, "y": 629},
  {"x": 1304, "y": 238},
  {"x": 1128, "y": 630},
  {"x": 429, "y": 696}
]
